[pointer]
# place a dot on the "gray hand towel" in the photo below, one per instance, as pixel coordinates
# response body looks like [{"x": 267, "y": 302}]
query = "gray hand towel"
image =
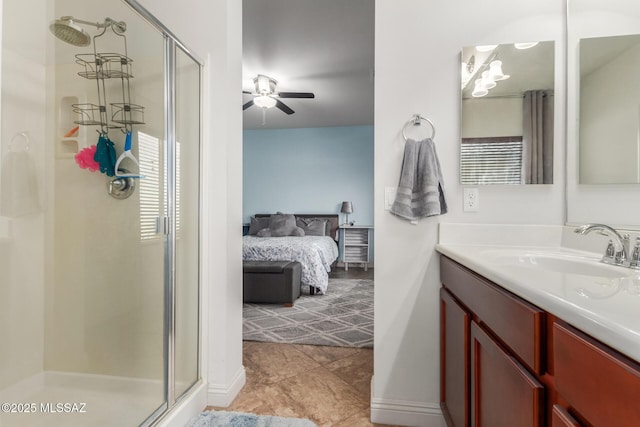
[{"x": 420, "y": 191}]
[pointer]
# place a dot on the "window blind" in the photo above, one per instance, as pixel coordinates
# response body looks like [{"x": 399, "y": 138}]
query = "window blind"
[
  {"x": 151, "y": 207},
  {"x": 491, "y": 160}
]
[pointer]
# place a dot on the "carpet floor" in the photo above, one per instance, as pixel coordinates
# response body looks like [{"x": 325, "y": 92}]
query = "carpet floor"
[{"x": 342, "y": 318}]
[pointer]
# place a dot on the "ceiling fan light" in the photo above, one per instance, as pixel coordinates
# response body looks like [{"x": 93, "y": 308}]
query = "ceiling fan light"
[
  {"x": 495, "y": 71},
  {"x": 264, "y": 101},
  {"x": 478, "y": 89},
  {"x": 264, "y": 85}
]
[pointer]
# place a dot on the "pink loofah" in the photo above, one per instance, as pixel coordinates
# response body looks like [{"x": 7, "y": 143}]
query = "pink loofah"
[{"x": 84, "y": 159}]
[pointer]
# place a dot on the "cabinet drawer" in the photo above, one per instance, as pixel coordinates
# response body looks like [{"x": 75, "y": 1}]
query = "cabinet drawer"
[
  {"x": 358, "y": 236},
  {"x": 503, "y": 392},
  {"x": 518, "y": 324},
  {"x": 602, "y": 385},
  {"x": 356, "y": 254}
]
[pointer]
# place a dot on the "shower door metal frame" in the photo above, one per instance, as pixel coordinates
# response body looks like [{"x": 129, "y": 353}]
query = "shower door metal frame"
[{"x": 171, "y": 43}]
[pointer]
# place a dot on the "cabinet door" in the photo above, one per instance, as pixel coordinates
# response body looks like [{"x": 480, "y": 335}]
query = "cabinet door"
[
  {"x": 561, "y": 418},
  {"x": 503, "y": 392},
  {"x": 454, "y": 361}
]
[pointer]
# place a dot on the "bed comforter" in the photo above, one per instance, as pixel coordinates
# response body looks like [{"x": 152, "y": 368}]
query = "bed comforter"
[{"x": 315, "y": 253}]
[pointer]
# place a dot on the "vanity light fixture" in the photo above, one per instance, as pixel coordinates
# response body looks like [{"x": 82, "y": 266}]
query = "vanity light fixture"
[
  {"x": 528, "y": 45},
  {"x": 478, "y": 89},
  {"x": 495, "y": 71},
  {"x": 486, "y": 47},
  {"x": 487, "y": 81}
]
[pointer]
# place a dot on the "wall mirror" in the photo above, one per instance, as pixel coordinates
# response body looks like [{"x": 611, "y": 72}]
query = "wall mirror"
[
  {"x": 609, "y": 122},
  {"x": 603, "y": 113},
  {"x": 507, "y": 122}
]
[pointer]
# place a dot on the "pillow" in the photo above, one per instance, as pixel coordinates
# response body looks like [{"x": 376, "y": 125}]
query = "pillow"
[
  {"x": 258, "y": 224},
  {"x": 313, "y": 226},
  {"x": 281, "y": 225}
]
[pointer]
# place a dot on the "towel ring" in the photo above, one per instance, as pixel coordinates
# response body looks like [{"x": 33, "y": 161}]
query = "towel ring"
[
  {"x": 14, "y": 142},
  {"x": 417, "y": 118}
]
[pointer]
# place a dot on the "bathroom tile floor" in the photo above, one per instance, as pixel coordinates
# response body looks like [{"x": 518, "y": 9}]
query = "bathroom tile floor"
[{"x": 328, "y": 385}]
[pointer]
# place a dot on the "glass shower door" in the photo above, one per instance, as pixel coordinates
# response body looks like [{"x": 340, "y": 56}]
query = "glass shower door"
[{"x": 187, "y": 94}]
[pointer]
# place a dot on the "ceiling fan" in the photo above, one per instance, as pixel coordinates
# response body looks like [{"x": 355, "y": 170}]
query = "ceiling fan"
[{"x": 266, "y": 95}]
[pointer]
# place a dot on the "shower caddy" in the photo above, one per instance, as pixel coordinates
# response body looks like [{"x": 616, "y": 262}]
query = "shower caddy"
[{"x": 102, "y": 66}]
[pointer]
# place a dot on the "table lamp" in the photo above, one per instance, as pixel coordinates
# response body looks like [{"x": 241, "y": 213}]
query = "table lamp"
[{"x": 347, "y": 208}]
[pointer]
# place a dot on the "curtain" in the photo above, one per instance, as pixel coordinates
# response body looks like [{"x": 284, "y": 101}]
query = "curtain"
[{"x": 537, "y": 137}]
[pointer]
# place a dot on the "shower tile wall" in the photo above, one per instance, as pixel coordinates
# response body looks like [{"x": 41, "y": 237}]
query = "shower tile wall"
[
  {"x": 22, "y": 253},
  {"x": 79, "y": 290},
  {"x": 105, "y": 314}
]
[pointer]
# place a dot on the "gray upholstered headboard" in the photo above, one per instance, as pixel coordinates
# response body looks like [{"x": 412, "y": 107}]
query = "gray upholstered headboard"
[{"x": 331, "y": 218}]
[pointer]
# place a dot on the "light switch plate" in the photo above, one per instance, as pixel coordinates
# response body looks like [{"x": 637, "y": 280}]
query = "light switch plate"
[{"x": 389, "y": 197}]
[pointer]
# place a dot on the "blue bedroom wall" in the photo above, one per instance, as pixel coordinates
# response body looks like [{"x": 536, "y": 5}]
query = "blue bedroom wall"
[{"x": 309, "y": 170}]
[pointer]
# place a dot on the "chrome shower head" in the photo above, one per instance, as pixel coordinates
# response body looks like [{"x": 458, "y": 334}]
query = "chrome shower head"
[{"x": 70, "y": 32}]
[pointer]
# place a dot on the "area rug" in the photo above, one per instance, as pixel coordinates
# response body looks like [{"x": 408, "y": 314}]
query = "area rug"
[
  {"x": 242, "y": 419},
  {"x": 343, "y": 317}
]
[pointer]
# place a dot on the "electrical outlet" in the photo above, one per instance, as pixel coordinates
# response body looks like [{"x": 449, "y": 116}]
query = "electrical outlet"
[{"x": 471, "y": 200}]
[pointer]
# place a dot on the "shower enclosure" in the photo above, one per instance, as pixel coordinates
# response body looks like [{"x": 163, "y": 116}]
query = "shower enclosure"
[{"x": 99, "y": 273}]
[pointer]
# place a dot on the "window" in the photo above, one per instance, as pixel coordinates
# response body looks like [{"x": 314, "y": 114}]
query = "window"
[
  {"x": 151, "y": 207},
  {"x": 496, "y": 160},
  {"x": 153, "y": 197}
]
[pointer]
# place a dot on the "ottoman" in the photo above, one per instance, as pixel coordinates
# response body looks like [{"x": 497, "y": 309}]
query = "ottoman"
[{"x": 275, "y": 282}]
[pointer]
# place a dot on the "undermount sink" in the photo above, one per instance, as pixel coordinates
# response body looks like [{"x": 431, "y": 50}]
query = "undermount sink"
[{"x": 559, "y": 262}]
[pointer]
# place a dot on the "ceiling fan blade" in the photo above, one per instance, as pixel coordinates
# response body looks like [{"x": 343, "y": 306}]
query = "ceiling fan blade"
[
  {"x": 296, "y": 95},
  {"x": 281, "y": 105},
  {"x": 247, "y": 105}
]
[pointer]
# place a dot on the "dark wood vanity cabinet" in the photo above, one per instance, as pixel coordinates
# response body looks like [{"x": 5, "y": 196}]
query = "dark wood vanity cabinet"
[
  {"x": 506, "y": 363},
  {"x": 488, "y": 338},
  {"x": 600, "y": 386},
  {"x": 455, "y": 324}
]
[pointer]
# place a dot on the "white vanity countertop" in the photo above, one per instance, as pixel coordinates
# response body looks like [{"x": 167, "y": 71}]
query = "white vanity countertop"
[{"x": 607, "y": 308}]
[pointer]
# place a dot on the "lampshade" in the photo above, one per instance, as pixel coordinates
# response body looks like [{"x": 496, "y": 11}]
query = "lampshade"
[
  {"x": 264, "y": 101},
  {"x": 495, "y": 71},
  {"x": 347, "y": 207},
  {"x": 486, "y": 47},
  {"x": 479, "y": 89},
  {"x": 487, "y": 81},
  {"x": 525, "y": 45}
]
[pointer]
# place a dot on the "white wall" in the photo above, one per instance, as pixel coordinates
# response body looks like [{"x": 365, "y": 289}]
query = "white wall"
[
  {"x": 417, "y": 70},
  {"x": 610, "y": 122},
  {"x": 479, "y": 117}
]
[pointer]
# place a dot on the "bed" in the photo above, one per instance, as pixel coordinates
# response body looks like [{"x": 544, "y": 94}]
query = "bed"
[{"x": 317, "y": 253}]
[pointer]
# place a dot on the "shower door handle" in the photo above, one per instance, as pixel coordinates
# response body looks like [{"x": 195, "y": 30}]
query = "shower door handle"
[{"x": 162, "y": 225}]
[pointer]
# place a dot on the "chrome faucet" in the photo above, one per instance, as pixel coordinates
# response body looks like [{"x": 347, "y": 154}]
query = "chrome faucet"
[{"x": 617, "y": 252}]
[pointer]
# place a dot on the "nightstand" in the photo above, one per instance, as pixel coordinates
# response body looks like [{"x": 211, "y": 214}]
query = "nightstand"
[{"x": 355, "y": 244}]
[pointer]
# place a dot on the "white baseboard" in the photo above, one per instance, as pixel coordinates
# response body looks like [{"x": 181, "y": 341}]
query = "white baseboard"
[
  {"x": 406, "y": 413},
  {"x": 221, "y": 395},
  {"x": 189, "y": 407}
]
